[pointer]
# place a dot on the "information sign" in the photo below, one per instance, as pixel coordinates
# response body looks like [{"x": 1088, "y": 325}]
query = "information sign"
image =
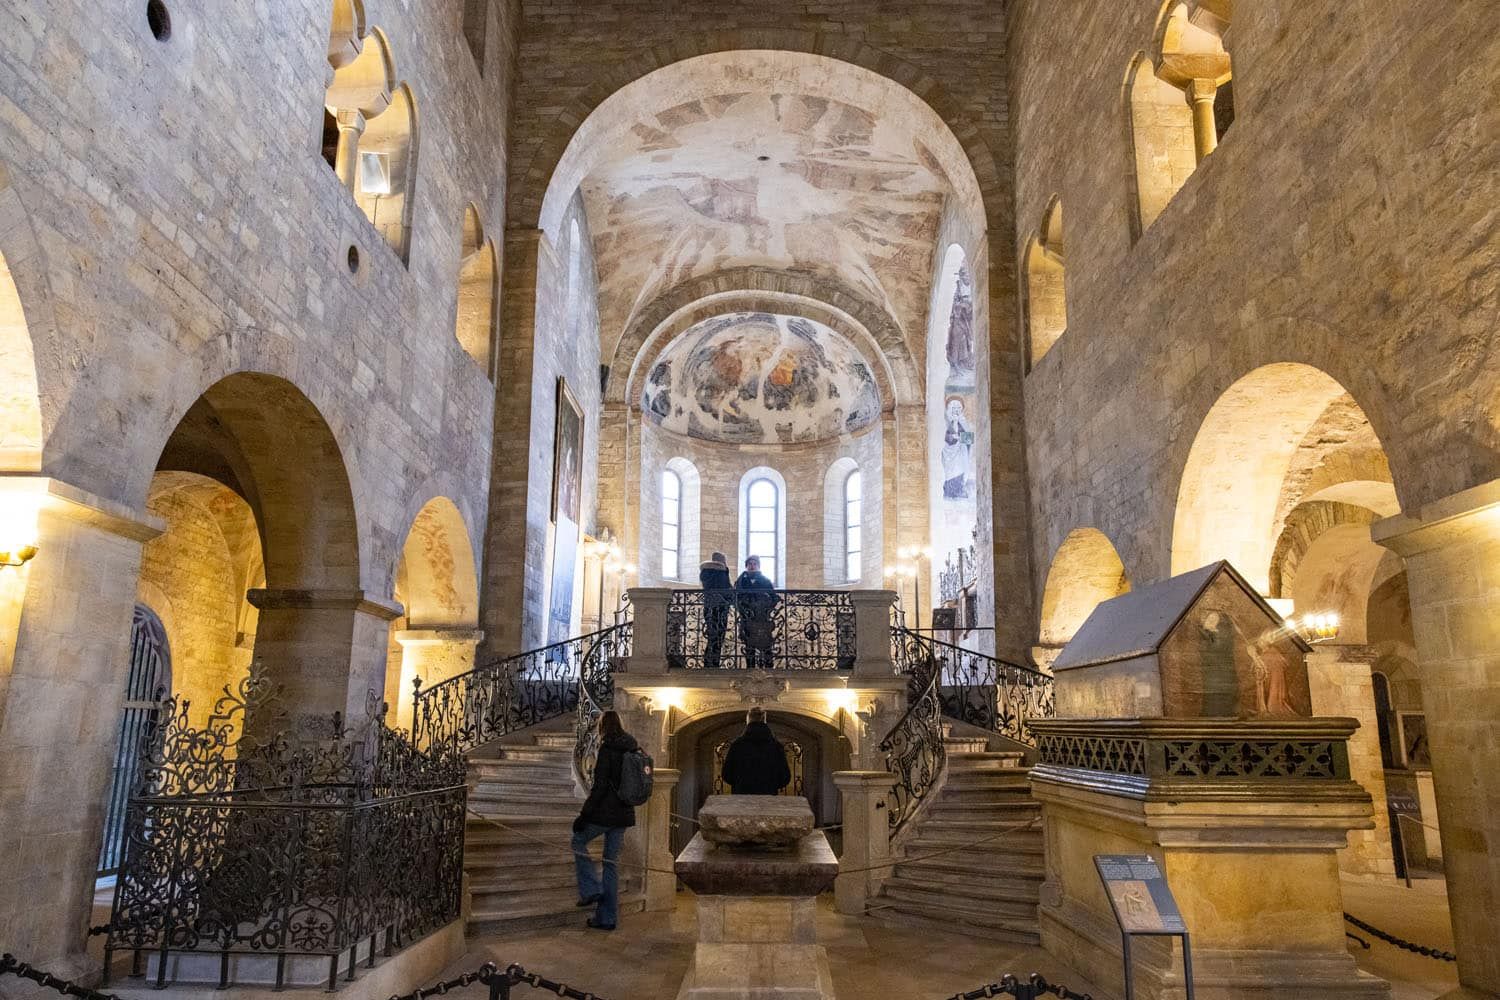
[{"x": 1143, "y": 905}]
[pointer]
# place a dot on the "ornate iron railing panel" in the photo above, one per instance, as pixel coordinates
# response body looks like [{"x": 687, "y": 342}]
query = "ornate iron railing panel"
[
  {"x": 1191, "y": 750},
  {"x": 990, "y": 693},
  {"x": 502, "y": 696},
  {"x": 306, "y": 841},
  {"x": 914, "y": 747},
  {"x": 596, "y": 693},
  {"x": 763, "y": 629}
]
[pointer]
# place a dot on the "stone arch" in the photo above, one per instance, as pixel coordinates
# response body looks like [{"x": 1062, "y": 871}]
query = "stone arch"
[
  {"x": 542, "y": 186},
  {"x": 1232, "y": 483},
  {"x": 478, "y": 293},
  {"x": 753, "y": 289},
  {"x": 1158, "y": 142},
  {"x": 1189, "y": 54},
  {"x": 22, "y": 431},
  {"x": 1046, "y": 299},
  {"x": 388, "y": 196},
  {"x": 346, "y": 32},
  {"x": 1085, "y": 572}
]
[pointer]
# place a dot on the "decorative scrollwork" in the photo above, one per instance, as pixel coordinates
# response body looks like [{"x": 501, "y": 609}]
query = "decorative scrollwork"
[
  {"x": 1250, "y": 759},
  {"x": 253, "y": 834},
  {"x": 596, "y": 694},
  {"x": 914, "y": 747},
  {"x": 768, "y": 630},
  {"x": 1115, "y": 754}
]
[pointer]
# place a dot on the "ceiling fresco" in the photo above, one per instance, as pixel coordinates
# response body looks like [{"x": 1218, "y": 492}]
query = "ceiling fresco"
[
  {"x": 765, "y": 179},
  {"x": 758, "y": 378}
]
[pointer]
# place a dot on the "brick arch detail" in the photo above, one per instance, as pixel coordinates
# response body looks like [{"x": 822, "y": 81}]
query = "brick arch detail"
[{"x": 1303, "y": 526}]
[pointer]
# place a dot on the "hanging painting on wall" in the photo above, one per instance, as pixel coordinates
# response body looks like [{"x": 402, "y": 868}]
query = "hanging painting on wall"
[{"x": 567, "y": 510}]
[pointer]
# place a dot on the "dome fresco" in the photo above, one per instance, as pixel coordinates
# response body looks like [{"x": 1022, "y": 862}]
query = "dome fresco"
[{"x": 759, "y": 378}]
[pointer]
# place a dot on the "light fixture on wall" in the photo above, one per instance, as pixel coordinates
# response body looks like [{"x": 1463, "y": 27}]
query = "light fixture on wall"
[
  {"x": 18, "y": 524},
  {"x": 1319, "y": 626}
]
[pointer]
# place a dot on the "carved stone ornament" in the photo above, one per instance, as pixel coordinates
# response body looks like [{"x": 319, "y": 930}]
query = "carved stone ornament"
[{"x": 758, "y": 686}]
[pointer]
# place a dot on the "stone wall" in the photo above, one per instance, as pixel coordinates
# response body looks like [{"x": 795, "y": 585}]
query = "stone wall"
[{"x": 721, "y": 469}]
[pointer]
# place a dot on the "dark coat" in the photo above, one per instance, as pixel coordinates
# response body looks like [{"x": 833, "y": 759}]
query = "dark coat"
[
  {"x": 717, "y": 590},
  {"x": 756, "y": 763},
  {"x": 754, "y": 581},
  {"x": 604, "y": 807}
]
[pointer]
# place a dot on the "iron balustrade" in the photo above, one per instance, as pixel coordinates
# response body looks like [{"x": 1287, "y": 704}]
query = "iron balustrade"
[
  {"x": 760, "y": 629},
  {"x": 312, "y": 840},
  {"x": 914, "y": 747},
  {"x": 596, "y": 692},
  {"x": 511, "y": 693}
]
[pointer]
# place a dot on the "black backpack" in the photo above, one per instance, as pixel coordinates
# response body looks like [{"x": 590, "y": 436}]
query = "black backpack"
[{"x": 635, "y": 778}]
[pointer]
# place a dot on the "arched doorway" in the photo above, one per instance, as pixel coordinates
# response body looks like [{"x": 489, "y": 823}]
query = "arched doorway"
[
  {"x": 149, "y": 681},
  {"x": 1085, "y": 572},
  {"x": 814, "y": 751}
]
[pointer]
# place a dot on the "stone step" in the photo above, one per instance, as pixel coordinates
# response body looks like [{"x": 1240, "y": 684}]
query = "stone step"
[
  {"x": 944, "y": 919},
  {"x": 966, "y": 744},
  {"x": 555, "y": 756},
  {"x": 495, "y": 895},
  {"x": 504, "y": 769},
  {"x": 984, "y": 858},
  {"x": 559, "y": 741},
  {"x": 995, "y": 835},
  {"x": 550, "y": 830},
  {"x": 997, "y": 791},
  {"x": 946, "y": 810},
  {"x": 984, "y": 761},
  {"x": 1014, "y": 884},
  {"x": 504, "y": 862},
  {"x": 547, "y": 790},
  {"x": 543, "y": 914},
  {"x": 1018, "y": 912}
]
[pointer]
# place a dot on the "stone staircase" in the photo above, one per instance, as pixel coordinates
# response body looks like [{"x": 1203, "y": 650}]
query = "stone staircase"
[
  {"x": 989, "y": 890},
  {"x": 514, "y": 882}
]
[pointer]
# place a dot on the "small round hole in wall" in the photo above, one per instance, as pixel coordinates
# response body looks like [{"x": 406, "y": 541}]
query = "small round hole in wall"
[
  {"x": 763, "y": 158},
  {"x": 353, "y": 258},
  {"x": 159, "y": 20}
]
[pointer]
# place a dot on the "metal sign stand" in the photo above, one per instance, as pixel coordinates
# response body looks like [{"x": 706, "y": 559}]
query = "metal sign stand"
[{"x": 1143, "y": 907}]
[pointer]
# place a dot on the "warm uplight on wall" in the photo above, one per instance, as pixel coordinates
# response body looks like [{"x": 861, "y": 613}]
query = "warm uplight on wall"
[
  {"x": 663, "y": 698},
  {"x": 841, "y": 699},
  {"x": 1316, "y": 627},
  {"x": 18, "y": 527}
]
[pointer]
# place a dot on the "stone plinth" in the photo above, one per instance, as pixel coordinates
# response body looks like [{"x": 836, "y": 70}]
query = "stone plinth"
[
  {"x": 755, "y": 820},
  {"x": 757, "y": 935},
  {"x": 1246, "y": 820}
]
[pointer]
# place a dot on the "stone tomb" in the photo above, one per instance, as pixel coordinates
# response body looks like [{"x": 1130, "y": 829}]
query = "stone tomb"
[
  {"x": 1184, "y": 731},
  {"x": 757, "y": 867}
]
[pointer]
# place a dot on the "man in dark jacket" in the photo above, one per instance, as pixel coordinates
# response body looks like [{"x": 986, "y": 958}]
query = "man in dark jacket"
[
  {"x": 718, "y": 595},
  {"x": 756, "y": 762},
  {"x": 604, "y": 814},
  {"x": 755, "y": 595}
]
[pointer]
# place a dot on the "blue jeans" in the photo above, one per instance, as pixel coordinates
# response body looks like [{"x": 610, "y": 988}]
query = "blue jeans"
[{"x": 608, "y": 911}]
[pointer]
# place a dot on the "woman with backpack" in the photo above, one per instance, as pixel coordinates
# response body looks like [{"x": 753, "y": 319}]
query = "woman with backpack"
[{"x": 605, "y": 814}]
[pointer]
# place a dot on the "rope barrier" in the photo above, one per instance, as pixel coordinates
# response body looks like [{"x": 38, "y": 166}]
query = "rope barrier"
[{"x": 1416, "y": 949}]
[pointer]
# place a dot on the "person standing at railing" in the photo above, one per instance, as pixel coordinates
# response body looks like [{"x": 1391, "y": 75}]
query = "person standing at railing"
[
  {"x": 756, "y": 762},
  {"x": 718, "y": 594},
  {"x": 606, "y": 815},
  {"x": 756, "y": 598}
]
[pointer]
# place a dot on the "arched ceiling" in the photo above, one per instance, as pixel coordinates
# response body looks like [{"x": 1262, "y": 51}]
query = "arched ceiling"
[
  {"x": 764, "y": 159},
  {"x": 761, "y": 378}
]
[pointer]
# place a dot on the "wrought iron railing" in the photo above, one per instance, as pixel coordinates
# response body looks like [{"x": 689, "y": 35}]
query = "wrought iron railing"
[
  {"x": 314, "y": 839},
  {"x": 596, "y": 693},
  {"x": 993, "y": 694},
  {"x": 760, "y": 629},
  {"x": 914, "y": 747},
  {"x": 504, "y": 695}
]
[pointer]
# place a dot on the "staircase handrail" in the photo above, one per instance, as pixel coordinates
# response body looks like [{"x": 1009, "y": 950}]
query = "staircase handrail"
[
  {"x": 596, "y": 688},
  {"x": 505, "y": 693},
  {"x": 985, "y": 691},
  {"x": 914, "y": 747}
]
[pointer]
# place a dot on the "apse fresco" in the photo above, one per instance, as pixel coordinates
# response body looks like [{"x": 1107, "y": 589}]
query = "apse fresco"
[
  {"x": 759, "y": 378},
  {"x": 773, "y": 180}
]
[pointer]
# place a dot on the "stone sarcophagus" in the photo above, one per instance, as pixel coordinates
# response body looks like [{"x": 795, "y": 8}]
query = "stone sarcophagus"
[{"x": 1184, "y": 730}]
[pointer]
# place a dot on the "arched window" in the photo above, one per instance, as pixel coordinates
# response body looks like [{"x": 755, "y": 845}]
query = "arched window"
[
  {"x": 1161, "y": 137},
  {"x": 853, "y": 526},
  {"x": 477, "y": 289},
  {"x": 671, "y": 524},
  {"x": 1190, "y": 55},
  {"x": 149, "y": 680},
  {"x": 763, "y": 525},
  {"x": 1046, "y": 292}
]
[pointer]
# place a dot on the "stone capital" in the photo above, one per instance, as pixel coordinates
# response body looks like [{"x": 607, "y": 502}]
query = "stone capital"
[
  {"x": 1201, "y": 90},
  {"x": 350, "y": 120},
  {"x": 55, "y": 497},
  {"x": 284, "y": 599},
  {"x": 1456, "y": 519}
]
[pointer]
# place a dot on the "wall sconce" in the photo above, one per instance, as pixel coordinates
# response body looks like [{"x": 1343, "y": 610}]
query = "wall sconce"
[
  {"x": 18, "y": 528},
  {"x": 1316, "y": 627}
]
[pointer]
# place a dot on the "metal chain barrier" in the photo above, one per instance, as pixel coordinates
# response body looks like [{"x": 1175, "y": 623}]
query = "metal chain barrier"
[
  {"x": 1416, "y": 949},
  {"x": 10, "y": 965},
  {"x": 1028, "y": 989}
]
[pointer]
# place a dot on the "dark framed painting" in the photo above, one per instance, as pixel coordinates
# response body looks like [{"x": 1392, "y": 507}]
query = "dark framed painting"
[{"x": 567, "y": 456}]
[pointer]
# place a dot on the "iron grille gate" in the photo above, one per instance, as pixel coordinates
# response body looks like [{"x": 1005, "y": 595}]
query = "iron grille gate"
[{"x": 149, "y": 679}]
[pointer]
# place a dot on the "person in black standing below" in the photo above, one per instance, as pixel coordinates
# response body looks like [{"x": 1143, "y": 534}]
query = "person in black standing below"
[
  {"x": 756, "y": 762},
  {"x": 718, "y": 594},
  {"x": 606, "y": 815},
  {"x": 755, "y": 595}
]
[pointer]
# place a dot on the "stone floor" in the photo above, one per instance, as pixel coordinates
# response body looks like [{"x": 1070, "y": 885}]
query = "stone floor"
[{"x": 1418, "y": 914}]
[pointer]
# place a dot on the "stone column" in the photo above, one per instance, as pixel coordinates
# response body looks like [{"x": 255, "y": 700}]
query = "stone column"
[
  {"x": 1452, "y": 552},
  {"x": 61, "y": 687},
  {"x": 867, "y": 836},
  {"x": 431, "y": 655},
  {"x": 346, "y": 161},
  {"x": 1200, "y": 94},
  {"x": 1340, "y": 681},
  {"x": 325, "y": 648},
  {"x": 648, "y": 644},
  {"x": 872, "y": 632},
  {"x": 661, "y": 882}
]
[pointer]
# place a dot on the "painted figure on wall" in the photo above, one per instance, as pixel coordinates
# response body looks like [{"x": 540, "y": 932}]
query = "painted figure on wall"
[
  {"x": 958, "y": 452},
  {"x": 952, "y": 422},
  {"x": 567, "y": 511}
]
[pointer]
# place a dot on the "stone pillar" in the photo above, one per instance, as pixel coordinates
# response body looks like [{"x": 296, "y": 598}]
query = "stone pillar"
[
  {"x": 661, "y": 882},
  {"x": 346, "y": 161},
  {"x": 1200, "y": 94},
  {"x": 1452, "y": 553},
  {"x": 1340, "y": 682},
  {"x": 61, "y": 687},
  {"x": 430, "y": 656},
  {"x": 867, "y": 836},
  {"x": 872, "y": 632},
  {"x": 648, "y": 643},
  {"x": 325, "y": 648}
]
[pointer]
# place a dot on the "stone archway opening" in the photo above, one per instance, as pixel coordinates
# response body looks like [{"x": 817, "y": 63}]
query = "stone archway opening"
[{"x": 1086, "y": 571}]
